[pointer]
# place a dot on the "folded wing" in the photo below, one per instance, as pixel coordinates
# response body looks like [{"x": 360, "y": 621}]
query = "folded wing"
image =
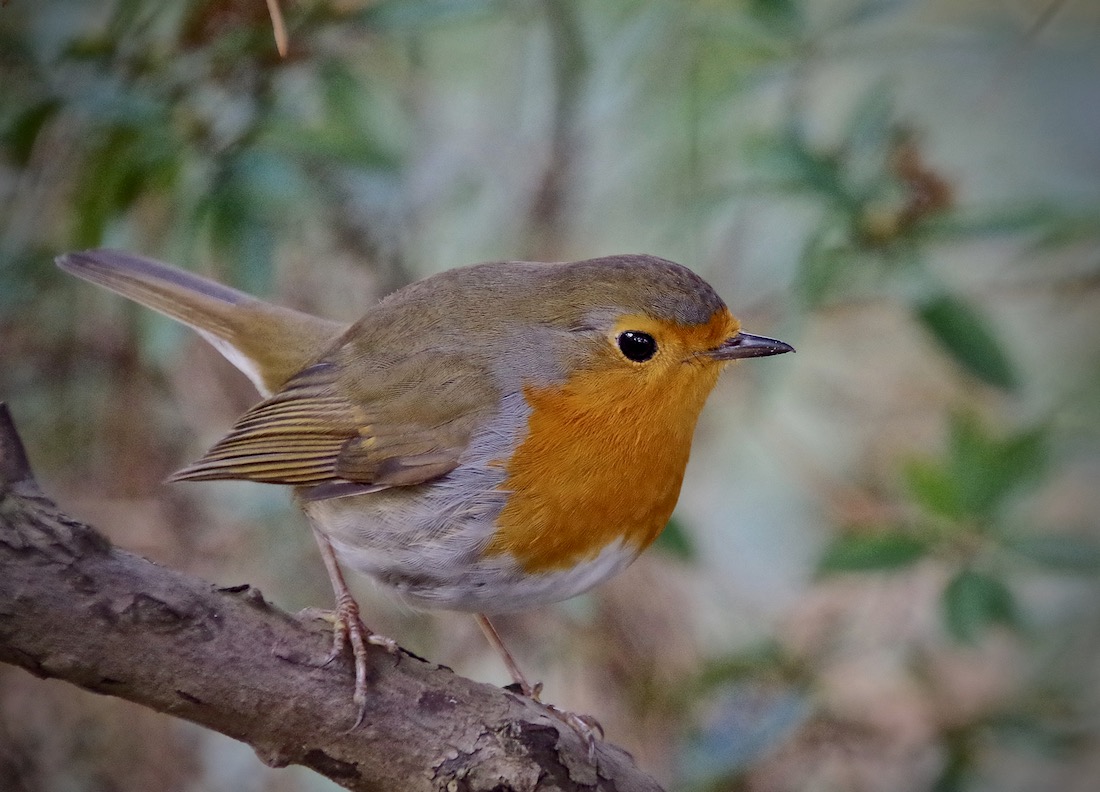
[{"x": 339, "y": 428}]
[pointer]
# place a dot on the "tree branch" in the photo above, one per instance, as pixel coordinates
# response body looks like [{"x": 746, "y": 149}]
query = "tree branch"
[{"x": 75, "y": 608}]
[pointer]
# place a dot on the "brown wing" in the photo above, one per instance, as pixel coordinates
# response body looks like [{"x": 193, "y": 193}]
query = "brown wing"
[{"x": 341, "y": 428}]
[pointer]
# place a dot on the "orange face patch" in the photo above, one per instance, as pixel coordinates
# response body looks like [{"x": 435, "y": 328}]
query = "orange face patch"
[
  {"x": 679, "y": 342},
  {"x": 605, "y": 452}
]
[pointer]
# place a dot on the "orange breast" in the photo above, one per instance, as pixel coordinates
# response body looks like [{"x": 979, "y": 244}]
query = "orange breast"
[{"x": 603, "y": 461}]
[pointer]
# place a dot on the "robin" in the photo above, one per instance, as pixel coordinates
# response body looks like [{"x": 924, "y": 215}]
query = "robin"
[{"x": 489, "y": 439}]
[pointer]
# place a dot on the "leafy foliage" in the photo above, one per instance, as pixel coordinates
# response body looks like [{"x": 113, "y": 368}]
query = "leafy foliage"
[
  {"x": 974, "y": 601},
  {"x": 191, "y": 111},
  {"x": 872, "y": 551},
  {"x": 675, "y": 541},
  {"x": 963, "y": 496},
  {"x": 965, "y": 335}
]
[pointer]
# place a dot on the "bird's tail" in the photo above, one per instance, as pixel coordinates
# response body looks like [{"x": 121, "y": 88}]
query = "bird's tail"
[{"x": 267, "y": 342}]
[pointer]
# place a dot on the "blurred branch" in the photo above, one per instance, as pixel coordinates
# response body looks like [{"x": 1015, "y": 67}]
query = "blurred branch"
[
  {"x": 570, "y": 63},
  {"x": 1012, "y": 63},
  {"x": 278, "y": 27},
  {"x": 72, "y": 607}
]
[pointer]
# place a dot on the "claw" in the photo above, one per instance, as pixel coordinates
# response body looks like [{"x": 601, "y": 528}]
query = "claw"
[
  {"x": 586, "y": 726},
  {"x": 348, "y": 629}
]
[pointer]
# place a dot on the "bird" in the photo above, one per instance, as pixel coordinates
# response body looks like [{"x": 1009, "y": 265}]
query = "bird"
[{"x": 489, "y": 439}]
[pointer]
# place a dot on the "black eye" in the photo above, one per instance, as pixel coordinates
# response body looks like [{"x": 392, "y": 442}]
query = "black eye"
[{"x": 637, "y": 346}]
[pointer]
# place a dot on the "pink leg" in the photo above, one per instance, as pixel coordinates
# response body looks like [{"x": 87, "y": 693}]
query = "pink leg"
[
  {"x": 348, "y": 628},
  {"x": 493, "y": 637},
  {"x": 586, "y": 726}
]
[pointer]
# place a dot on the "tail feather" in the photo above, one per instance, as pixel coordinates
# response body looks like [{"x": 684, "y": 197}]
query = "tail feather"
[
  {"x": 267, "y": 342},
  {"x": 146, "y": 281}
]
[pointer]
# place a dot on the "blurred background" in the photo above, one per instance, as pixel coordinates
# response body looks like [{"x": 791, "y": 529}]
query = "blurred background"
[{"x": 882, "y": 574}]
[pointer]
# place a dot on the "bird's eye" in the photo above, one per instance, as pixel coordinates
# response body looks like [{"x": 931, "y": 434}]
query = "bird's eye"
[{"x": 637, "y": 346}]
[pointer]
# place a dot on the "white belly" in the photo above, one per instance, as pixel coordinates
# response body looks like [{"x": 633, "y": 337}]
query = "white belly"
[
  {"x": 427, "y": 542},
  {"x": 486, "y": 585}
]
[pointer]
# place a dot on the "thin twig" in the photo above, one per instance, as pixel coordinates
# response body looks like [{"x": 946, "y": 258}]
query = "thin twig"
[{"x": 282, "y": 42}]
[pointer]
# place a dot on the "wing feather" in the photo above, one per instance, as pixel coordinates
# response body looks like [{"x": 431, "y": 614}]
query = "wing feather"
[{"x": 336, "y": 436}]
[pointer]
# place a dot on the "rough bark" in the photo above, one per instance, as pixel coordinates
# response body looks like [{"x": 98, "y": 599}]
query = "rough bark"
[{"x": 73, "y": 607}]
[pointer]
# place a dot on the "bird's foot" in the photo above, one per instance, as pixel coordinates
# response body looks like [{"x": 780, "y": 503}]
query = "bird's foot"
[
  {"x": 587, "y": 727},
  {"x": 349, "y": 631}
]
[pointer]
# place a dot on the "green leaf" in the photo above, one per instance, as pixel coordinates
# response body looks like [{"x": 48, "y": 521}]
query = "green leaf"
[
  {"x": 974, "y": 601},
  {"x": 23, "y": 130},
  {"x": 341, "y": 92},
  {"x": 865, "y": 552},
  {"x": 1023, "y": 456},
  {"x": 933, "y": 488},
  {"x": 965, "y": 336},
  {"x": 788, "y": 161},
  {"x": 123, "y": 163},
  {"x": 820, "y": 171},
  {"x": 1074, "y": 554},
  {"x": 782, "y": 17},
  {"x": 986, "y": 469},
  {"x": 675, "y": 541},
  {"x": 824, "y": 262}
]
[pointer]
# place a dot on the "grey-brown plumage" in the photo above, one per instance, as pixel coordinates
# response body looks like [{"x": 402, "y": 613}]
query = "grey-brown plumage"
[{"x": 394, "y": 399}]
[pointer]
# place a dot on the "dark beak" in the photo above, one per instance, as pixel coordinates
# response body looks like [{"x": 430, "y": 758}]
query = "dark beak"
[{"x": 746, "y": 345}]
